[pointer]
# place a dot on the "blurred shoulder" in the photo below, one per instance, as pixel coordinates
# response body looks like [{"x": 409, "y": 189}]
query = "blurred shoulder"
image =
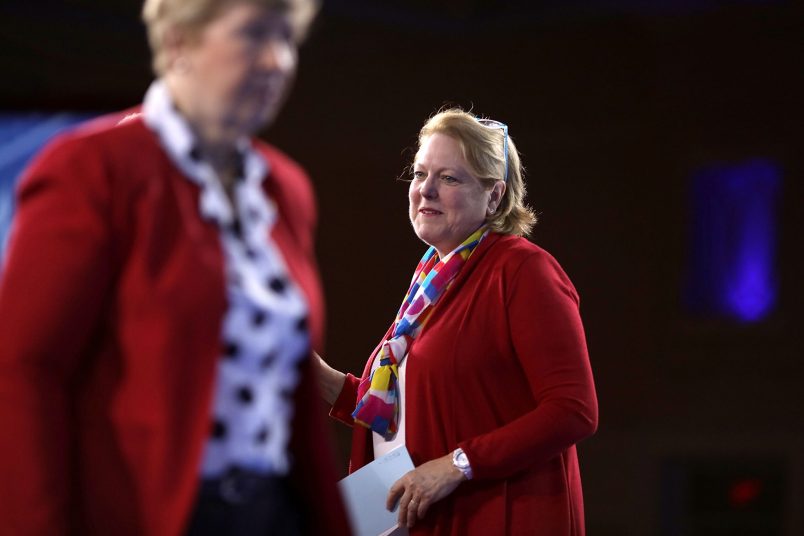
[
  {"x": 116, "y": 125},
  {"x": 290, "y": 187},
  {"x": 282, "y": 166},
  {"x": 104, "y": 136},
  {"x": 288, "y": 181}
]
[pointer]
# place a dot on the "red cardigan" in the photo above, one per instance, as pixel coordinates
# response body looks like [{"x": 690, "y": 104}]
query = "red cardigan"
[
  {"x": 501, "y": 370},
  {"x": 111, "y": 302}
]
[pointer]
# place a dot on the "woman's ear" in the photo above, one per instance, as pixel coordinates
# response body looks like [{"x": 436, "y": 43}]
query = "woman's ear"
[
  {"x": 174, "y": 46},
  {"x": 496, "y": 195}
]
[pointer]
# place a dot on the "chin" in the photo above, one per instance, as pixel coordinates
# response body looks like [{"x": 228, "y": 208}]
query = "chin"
[
  {"x": 428, "y": 238},
  {"x": 258, "y": 114}
]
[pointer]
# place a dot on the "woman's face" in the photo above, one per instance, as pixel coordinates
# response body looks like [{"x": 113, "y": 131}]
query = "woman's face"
[
  {"x": 447, "y": 202},
  {"x": 233, "y": 75}
]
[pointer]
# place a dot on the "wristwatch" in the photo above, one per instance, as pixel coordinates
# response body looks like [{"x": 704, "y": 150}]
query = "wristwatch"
[{"x": 460, "y": 461}]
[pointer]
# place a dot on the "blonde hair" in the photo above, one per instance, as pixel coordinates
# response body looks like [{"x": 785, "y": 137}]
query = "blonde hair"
[
  {"x": 192, "y": 15},
  {"x": 482, "y": 146}
]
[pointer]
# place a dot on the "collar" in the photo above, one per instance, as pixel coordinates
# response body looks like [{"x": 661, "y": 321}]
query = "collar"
[{"x": 180, "y": 142}]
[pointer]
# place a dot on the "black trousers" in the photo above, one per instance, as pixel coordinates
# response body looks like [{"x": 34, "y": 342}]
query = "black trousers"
[{"x": 245, "y": 504}]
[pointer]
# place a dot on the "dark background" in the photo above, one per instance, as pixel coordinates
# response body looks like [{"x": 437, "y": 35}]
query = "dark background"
[{"x": 613, "y": 104}]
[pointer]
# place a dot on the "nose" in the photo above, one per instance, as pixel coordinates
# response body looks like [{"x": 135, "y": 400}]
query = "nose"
[
  {"x": 278, "y": 54},
  {"x": 427, "y": 188}
]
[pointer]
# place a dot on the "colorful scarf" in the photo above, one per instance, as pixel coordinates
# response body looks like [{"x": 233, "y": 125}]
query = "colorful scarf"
[{"x": 378, "y": 395}]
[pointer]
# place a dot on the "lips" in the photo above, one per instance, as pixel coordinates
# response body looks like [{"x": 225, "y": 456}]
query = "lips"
[{"x": 429, "y": 211}]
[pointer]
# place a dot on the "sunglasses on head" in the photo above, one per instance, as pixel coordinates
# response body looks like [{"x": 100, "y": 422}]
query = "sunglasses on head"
[{"x": 491, "y": 123}]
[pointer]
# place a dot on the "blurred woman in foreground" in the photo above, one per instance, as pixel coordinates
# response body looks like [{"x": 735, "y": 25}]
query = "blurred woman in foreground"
[{"x": 160, "y": 299}]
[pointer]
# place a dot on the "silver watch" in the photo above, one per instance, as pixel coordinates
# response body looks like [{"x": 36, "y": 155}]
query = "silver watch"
[{"x": 460, "y": 461}]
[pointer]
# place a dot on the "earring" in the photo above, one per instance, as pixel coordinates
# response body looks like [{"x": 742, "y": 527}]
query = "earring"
[{"x": 492, "y": 211}]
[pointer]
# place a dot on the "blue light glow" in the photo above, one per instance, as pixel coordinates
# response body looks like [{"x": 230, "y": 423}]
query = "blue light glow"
[{"x": 733, "y": 240}]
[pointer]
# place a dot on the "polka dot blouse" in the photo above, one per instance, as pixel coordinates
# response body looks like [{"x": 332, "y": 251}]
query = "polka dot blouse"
[{"x": 264, "y": 333}]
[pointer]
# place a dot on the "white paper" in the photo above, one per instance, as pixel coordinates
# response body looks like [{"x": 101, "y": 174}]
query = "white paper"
[{"x": 365, "y": 491}]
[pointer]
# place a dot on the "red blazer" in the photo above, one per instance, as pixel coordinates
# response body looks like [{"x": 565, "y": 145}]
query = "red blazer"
[
  {"x": 111, "y": 302},
  {"x": 501, "y": 370}
]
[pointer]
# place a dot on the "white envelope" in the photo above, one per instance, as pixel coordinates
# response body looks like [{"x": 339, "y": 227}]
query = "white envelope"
[{"x": 365, "y": 491}]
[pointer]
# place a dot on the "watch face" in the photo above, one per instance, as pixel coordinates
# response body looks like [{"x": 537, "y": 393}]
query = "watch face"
[{"x": 461, "y": 461}]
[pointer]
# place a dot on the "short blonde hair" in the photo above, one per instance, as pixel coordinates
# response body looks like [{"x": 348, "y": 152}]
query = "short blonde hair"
[
  {"x": 193, "y": 15},
  {"x": 483, "y": 149}
]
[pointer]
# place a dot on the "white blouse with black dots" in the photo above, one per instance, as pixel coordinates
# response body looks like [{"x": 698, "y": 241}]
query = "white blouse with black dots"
[{"x": 264, "y": 333}]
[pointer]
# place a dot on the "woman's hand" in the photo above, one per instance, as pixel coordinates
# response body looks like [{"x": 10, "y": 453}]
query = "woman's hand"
[
  {"x": 420, "y": 488},
  {"x": 330, "y": 381}
]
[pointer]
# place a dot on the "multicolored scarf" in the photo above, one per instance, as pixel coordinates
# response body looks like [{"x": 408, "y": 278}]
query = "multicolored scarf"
[{"x": 378, "y": 395}]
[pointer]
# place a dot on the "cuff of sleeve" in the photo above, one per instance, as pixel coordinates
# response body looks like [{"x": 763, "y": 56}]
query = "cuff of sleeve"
[{"x": 345, "y": 403}]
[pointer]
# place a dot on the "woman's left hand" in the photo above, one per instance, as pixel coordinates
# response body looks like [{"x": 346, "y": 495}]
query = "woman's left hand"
[{"x": 420, "y": 488}]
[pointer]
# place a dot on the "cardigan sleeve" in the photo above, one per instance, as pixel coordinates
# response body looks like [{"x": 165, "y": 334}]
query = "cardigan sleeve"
[
  {"x": 345, "y": 403},
  {"x": 52, "y": 288},
  {"x": 547, "y": 336}
]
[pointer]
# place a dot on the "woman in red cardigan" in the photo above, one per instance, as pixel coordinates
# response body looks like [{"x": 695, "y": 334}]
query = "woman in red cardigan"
[
  {"x": 484, "y": 374},
  {"x": 159, "y": 300}
]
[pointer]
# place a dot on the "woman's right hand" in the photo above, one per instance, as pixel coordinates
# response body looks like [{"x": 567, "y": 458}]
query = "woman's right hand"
[{"x": 330, "y": 381}]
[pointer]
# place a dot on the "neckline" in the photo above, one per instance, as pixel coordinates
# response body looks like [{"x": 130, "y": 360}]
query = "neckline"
[{"x": 457, "y": 283}]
